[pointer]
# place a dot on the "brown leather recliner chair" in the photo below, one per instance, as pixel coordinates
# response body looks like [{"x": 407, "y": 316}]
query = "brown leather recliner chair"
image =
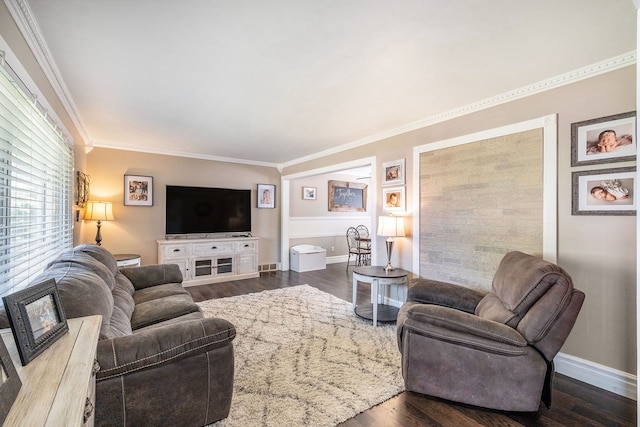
[{"x": 493, "y": 349}]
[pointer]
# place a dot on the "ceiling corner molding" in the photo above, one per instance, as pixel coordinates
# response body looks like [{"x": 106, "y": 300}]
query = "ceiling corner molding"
[
  {"x": 184, "y": 154},
  {"x": 26, "y": 23},
  {"x": 593, "y": 70}
]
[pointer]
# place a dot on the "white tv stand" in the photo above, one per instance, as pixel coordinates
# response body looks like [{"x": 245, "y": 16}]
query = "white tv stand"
[{"x": 211, "y": 260}]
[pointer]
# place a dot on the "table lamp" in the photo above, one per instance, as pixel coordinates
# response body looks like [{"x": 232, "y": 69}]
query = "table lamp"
[
  {"x": 390, "y": 226},
  {"x": 99, "y": 211}
]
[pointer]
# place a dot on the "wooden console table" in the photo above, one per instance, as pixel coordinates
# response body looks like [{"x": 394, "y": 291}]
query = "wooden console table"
[{"x": 58, "y": 386}]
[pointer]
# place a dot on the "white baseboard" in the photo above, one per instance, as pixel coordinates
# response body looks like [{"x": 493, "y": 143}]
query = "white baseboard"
[
  {"x": 337, "y": 259},
  {"x": 597, "y": 375}
]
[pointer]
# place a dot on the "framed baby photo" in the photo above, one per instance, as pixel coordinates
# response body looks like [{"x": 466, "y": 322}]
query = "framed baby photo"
[
  {"x": 36, "y": 317},
  {"x": 138, "y": 190},
  {"x": 604, "y": 192},
  {"x": 393, "y": 173},
  {"x": 266, "y": 196},
  {"x": 393, "y": 199},
  {"x": 604, "y": 140}
]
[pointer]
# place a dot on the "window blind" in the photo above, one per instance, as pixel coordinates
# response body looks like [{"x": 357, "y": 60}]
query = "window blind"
[{"x": 36, "y": 187}]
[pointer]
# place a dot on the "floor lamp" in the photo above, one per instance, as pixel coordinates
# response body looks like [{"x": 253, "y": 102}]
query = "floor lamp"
[
  {"x": 99, "y": 211},
  {"x": 390, "y": 226}
]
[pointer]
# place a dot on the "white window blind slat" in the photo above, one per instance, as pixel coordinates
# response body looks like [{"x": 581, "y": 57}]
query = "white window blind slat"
[{"x": 36, "y": 188}]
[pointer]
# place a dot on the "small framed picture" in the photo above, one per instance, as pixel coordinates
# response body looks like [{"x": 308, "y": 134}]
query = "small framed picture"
[
  {"x": 138, "y": 190},
  {"x": 36, "y": 317},
  {"x": 10, "y": 382},
  {"x": 344, "y": 196},
  {"x": 393, "y": 173},
  {"x": 266, "y": 196},
  {"x": 308, "y": 193},
  {"x": 604, "y": 140},
  {"x": 393, "y": 199},
  {"x": 604, "y": 192}
]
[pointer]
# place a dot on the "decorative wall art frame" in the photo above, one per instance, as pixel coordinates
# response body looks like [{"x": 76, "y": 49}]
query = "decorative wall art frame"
[
  {"x": 393, "y": 199},
  {"x": 138, "y": 190},
  {"x": 347, "y": 196},
  {"x": 309, "y": 193},
  {"x": 393, "y": 173},
  {"x": 36, "y": 317},
  {"x": 10, "y": 384},
  {"x": 604, "y": 192},
  {"x": 266, "y": 196},
  {"x": 82, "y": 189},
  {"x": 604, "y": 140}
]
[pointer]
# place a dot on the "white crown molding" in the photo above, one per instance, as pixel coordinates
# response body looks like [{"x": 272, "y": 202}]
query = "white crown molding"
[
  {"x": 608, "y": 65},
  {"x": 23, "y": 17},
  {"x": 97, "y": 144}
]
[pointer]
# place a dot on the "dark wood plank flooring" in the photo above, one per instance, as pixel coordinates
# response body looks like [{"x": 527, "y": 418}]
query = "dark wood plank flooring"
[{"x": 574, "y": 403}]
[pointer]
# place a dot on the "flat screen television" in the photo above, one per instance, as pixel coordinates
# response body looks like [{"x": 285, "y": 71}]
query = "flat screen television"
[{"x": 202, "y": 210}]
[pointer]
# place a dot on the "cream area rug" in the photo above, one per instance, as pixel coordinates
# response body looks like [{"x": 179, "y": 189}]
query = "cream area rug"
[{"x": 303, "y": 358}]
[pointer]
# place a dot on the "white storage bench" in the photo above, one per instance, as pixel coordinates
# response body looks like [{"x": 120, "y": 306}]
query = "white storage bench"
[{"x": 308, "y": 258}]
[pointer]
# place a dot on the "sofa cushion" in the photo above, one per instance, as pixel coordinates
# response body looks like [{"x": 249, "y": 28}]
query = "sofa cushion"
[
  {"x": 87, "y": 261},
  {"x": 120, "y": 323},
  {"x": 101, "y": 254},
  {"x": 122, "y": 298},
  {"x": 82, "y": 292},
  {"x": 153, "y": 275},
  {"x": 161, "y": 309},
  {"x": 160, "y": 291}
]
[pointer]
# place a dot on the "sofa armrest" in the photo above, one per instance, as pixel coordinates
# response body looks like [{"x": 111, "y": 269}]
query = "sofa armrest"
[
  {"x": 460, "y": 328},
  {"x": 151, "y": 347},
  {"x": 428, "y": 291},
  {"x": 152, "y": 275}
]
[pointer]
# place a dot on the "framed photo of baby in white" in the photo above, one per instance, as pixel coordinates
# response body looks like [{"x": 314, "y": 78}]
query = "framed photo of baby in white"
[
  {"x": 604, "y": 192},
  {"x": 604, "y": 140},
  {"x": 266, "y": 196}
]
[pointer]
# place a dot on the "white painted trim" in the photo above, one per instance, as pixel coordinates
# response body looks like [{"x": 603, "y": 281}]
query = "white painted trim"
[
  {"x": 597, "y": 375},
  {"x": 337, "y": 259},
  {"x": 550, "y": 187}
]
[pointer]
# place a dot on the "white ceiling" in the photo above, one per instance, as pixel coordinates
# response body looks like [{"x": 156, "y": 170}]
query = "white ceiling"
[{"x": 276, "y": 81}]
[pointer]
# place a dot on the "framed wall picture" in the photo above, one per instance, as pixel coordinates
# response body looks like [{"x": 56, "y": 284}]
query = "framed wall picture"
[
  {"x": 36, "y": 317},
  {"x": 604, "y": 192},
  {"x": 308, "y": 193},
  {"x": 393, "y": 199},
  {"x": 604, "y": 140},
  {"x": 138, "y": 190},
  {"x": 347, "y": 196},
  {"x": 393, "y": 173},
  {"x": 266, "y": 196}
]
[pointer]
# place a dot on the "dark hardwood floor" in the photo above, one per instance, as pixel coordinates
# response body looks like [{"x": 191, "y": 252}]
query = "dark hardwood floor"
[{"x": 574, "y": 403}]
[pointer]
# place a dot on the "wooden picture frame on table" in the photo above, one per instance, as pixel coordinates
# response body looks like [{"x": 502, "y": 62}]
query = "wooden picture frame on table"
[
  {"x": 10, "y": 382},
  {"x": 36, "y": 317}
]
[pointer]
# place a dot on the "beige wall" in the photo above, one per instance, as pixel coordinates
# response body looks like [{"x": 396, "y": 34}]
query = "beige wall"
[
  {"x": 137, "y": 228},
  {"x": 598, "y": 251}
]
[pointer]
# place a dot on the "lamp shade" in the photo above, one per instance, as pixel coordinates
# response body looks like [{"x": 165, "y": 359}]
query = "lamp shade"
[
  {"x": 99, "y": 211},
  {"x": 391, "y": 226}
]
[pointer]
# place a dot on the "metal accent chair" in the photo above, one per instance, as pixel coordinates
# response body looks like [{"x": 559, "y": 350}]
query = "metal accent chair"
[
  {"x": 492, "y": 349},
  {"x": 364, "y": 236},
  {"x": 362, "y": 253}
]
